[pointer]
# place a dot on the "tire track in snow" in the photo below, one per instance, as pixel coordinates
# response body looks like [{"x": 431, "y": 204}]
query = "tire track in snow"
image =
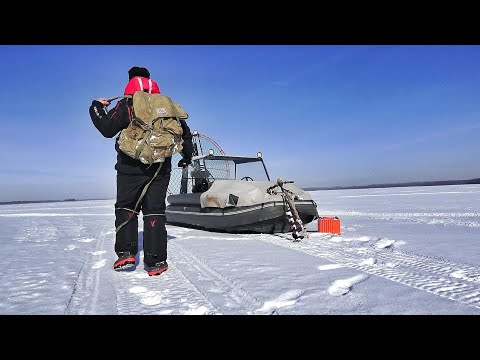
[
  {"x": 448, "y": 279},
  {"x": 225, "y": 293}
]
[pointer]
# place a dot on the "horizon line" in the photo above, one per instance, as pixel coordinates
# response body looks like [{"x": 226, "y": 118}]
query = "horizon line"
[{"x": 311, "y": 188}]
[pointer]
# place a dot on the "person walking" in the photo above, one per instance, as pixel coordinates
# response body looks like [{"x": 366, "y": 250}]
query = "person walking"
[{"x": 132, "y": 177}]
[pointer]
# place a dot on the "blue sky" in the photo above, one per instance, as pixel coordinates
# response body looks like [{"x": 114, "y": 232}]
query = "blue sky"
[{"x": 322, "y": 115}]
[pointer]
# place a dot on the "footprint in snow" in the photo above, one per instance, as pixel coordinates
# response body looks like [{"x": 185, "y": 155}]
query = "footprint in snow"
[
  {"x": 362, "y": 250},
  {"x": 202, "y": 310},
  {"x": 369, "y": 261},
  {"x": 343, "y": 286},
  {"x": 151, "y": 300},
  {"x": 100, "y": 252},
  {"x": 329, "y": 267},
  {"x": 462, "y": 274},
  {"x": 285, "y": 299},
  {"x": 147, "y": 297},
  {"x": 137, "y": 290},
  {"x": 150, "y": 297},
  {"x": 142, "y": 275},
  {"x": 99, "y": 264},
  {"x": 165, "y": 312},
  {"x": 364, "y": 238},
  {"x": 384, "y": 243}
]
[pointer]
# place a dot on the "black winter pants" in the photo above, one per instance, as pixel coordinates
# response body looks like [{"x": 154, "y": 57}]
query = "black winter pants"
[{"x": 129, "y": 188}]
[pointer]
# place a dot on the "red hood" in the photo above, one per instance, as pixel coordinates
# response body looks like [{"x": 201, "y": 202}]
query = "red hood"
[{"x": 141, "y": 84}]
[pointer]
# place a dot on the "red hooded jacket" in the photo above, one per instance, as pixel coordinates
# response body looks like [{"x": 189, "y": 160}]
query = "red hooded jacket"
[{"x": 141, "y": 84}]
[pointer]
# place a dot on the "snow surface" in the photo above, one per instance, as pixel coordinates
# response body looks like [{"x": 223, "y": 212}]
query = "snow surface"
[{"x": 401, "y": 251}]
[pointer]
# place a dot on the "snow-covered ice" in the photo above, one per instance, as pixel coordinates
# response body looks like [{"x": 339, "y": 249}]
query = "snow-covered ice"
[{"x": 400, "y": 251}]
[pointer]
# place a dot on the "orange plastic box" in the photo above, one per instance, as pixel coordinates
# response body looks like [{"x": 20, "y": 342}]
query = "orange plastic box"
[{"x": 329, "y": 225}]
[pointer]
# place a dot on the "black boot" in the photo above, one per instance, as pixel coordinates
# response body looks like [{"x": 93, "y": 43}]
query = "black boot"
[
  {"x": 125, "y": 261},
  {"x": 126, "y": 240},
  {"x": 154, "y": 240},
  {"x": 157, "y": 269}
]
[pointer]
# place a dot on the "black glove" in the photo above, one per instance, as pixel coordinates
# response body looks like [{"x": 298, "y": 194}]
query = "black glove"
[
  {"x": 96, "y": 110},
  {"x": 184, "y": 162},
  {"x": 97, "y": 104}
]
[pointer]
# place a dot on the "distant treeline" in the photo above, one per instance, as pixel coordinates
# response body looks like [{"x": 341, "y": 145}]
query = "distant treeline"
[{"x": 417, "y": 183}]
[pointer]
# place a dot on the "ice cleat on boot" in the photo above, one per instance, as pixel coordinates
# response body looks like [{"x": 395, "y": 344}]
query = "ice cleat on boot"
[
  {"x": 158, "y": 268},
  {"x": 125, "y": 260}
]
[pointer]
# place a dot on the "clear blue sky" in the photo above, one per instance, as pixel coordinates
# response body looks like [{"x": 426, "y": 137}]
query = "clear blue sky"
[{"x": 322, "y": 115}]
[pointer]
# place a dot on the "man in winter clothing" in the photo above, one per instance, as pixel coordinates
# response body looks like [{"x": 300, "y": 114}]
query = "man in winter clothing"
[{"x": 133, "y": 175}]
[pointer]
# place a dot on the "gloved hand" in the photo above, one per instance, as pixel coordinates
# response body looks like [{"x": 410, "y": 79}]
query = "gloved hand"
[
  {"x": 184, "y": 162},
  {"x": 97, "y": 110}
]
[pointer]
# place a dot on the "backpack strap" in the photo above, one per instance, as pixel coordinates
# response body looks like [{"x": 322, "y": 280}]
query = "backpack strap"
[
  {"x": 119, "y": 97},
  {"x": 140, "y": 83},
  {"x": 175, "y": 111},
  {"x": 145, "y": 140}
]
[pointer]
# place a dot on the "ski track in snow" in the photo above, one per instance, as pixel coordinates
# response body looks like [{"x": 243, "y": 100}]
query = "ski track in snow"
[
  {"x": 448, "y": 279},
  {"x": 87, "y": 286},
  {"x": 52, "y": 277},
  {"x": 40, "y": 278}
]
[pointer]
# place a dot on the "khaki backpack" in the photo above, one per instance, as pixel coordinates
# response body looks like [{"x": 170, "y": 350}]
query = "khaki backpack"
[{"x": 155, "y": 132}]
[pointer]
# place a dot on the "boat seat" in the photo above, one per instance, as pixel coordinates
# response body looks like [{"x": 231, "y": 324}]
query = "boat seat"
[{"x": 184, "y": 199}]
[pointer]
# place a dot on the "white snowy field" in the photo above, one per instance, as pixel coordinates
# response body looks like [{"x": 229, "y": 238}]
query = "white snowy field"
[{"x": 401, "y": 251}]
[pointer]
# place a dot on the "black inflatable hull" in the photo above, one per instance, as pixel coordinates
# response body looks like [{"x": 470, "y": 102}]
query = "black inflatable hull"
[{"x": 268, "y": 218}]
